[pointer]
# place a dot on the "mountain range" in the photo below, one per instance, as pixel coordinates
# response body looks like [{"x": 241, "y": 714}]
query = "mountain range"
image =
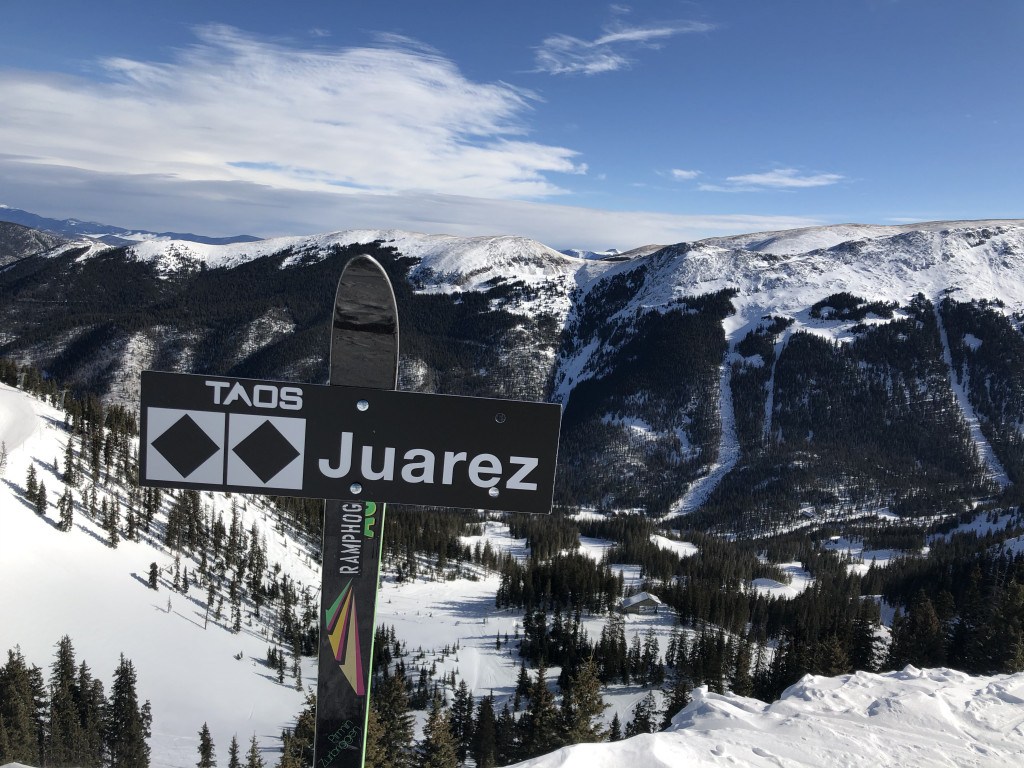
[{"x": 755, "y": 381}]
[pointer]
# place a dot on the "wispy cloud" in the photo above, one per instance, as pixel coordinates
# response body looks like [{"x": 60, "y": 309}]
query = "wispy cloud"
[
  {"x": 780, "y": 178},
  {"x": 680, "y": 174},
  {"x": 394, "y": 117},
  {"x": 563, "y": 54}
]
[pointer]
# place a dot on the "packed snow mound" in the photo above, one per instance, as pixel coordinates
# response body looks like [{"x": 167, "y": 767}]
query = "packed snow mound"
[{"x": 915, "y": 717}]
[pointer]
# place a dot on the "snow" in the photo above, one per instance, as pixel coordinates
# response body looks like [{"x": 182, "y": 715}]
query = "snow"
[
  {"x": 864, "y": 558},
  {"x": 996, "y": 472},
  {"x": 799, "y": 580},
  {"x": 681, "y": 548},
  {"x": 73, "y": 583},
  {"x": 912, "y": 719},
  {"x": 728, "y": 453}
]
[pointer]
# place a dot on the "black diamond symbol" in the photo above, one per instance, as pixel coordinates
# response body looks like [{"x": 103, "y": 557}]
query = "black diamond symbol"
[
  {"x": 266, "y": 451},
  {"x": 185, "y": 446}
]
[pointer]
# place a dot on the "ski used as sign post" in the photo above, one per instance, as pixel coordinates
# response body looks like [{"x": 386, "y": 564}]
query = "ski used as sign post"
[
  {"x": 356, "y": 439},
  {"x": 364, "y": 353}
]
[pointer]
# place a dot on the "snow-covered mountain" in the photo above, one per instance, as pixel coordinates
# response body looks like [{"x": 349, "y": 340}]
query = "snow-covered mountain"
[
  {"x": 105, "y": 233},
  {"x": 678, "y": 366}
]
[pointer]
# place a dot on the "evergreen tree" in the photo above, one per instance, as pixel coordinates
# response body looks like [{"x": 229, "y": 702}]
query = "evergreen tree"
[
  {"x": 297, "y": 747},
  {"x": 206, "y": 750},
  {"x": 677, "y": 697},
  {"x": 41, "y": 501},
  {"x": 70, "y": 466},
  {"x": 22, "y": 729},
  {"x": 65, "y": 741},
  {"x": 615, "y": 729},
  {"x": 485, "y": 742},
  {"x": 233, "y": 755},
  {"x": 438, "y": 747},
  {"x": 506, "y": 737},
  {"x": 31, "y": 484},
  {"x": 864, "y": 643},
  {"x": 390, "y": 701},
  {"x": 253, "y": 759},
  {"x": 539, "y": 726},
  {"x": 154, "y": 573},
  {"x": 917, "y": 638},
  {"x": 91, "y": 706},
  {"x": 374, "y": 754},
  {"x": 742, "y": 681},
  {"x": 462, "y": 720},
  {"x": 583, "y": 706},
  {"x": 126, "y": 728},
  {"x": 66, "y": 511},
  {"x": 644, "y": 715}
]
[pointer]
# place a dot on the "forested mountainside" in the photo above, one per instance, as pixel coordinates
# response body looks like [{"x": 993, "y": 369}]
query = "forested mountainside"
[{"x": 758, "y": 382}]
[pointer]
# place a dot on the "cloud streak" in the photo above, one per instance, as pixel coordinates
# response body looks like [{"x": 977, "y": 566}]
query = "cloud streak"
[
  {"x": 394, "y": 118},
  {"x": 778, "y": 179},
  {"x": 563, "y": 54}
]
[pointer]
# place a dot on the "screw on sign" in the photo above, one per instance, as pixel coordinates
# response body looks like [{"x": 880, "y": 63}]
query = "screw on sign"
[{"x": 356, "y": 443}]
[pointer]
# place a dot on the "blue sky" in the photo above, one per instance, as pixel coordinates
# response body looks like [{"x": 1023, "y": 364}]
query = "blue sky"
[{"x": 582, "y": 124}]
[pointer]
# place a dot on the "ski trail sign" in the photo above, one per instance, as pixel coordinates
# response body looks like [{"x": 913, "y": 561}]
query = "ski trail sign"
[
  {"x": 356, "y": 443},
  {"x": 219, "y": 433}
]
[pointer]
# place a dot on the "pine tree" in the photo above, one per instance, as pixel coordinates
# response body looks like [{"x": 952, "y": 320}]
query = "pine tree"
[
  {"x": 206, "y": 750},
  {"x": 485, "y": 737},
  {"x": 539, "y": 725},
  {"x": 65, "y": 740},
  {"x": 22, "y": 730},
  {"x": 677, "y": 697},
  {"x": 66, "y": 510},
  {"x": 297, "y": 747},
  {"x": 644, "y": 714},
  {"x": 154, "y": 574},
  {"x": 253, "y": 759},
  {"x": 742, "y": 683},
  {"x": 438, "y": 747},
  {"x": 917, "y": 638},
  {"x": 390, "y": 701},
  {"x": 583, "y": 706},
  {"x": 506, "y": 737},
  {"x": 233, "y": 755},
  {"x": 31, "y": 484},
  {"x": 374, "y": 753},
  {"x": 126, "y": 729},
  {"x": 462, "y": 720},
  {"x": 615, "y": 729},
  {"x": 41, "y": 501},
  {"x": 91, "y": 704},
  {"x": 70, "y": 467}
]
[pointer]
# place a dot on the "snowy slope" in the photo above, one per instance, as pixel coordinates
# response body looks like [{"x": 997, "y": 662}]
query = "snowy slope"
[
  {"x": 73, "y": 583},
  {"x": 912, "y": 719}
]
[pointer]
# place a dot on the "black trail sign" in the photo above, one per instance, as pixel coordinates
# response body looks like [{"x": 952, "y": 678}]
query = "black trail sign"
[
  {"x": 356, "y": 443},
  {"x": 253, "y": 436}
]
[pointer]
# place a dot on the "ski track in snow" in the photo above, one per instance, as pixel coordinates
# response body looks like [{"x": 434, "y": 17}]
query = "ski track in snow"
[
  {"x": 988, "y": 457},
  {"x": 728, "y": 451},
  {"x": 769, "y": 402}
]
